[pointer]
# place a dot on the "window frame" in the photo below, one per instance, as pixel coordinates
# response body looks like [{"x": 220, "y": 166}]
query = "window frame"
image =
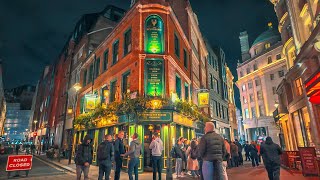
[
  {"x": 126, "y": 49},
  {"x": 105, "y": 60},
  {"x": 115, "y": 59},
  {"x": 176, "y": 45}
]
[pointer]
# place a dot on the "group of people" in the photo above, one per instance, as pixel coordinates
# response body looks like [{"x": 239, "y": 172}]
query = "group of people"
[{"x": 206, "y": 158}]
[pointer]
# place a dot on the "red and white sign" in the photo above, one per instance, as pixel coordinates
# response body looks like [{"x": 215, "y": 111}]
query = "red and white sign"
[{"x": 19, "y": 163}]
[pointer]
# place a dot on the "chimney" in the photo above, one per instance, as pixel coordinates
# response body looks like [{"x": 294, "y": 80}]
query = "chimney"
[{"x": 244, "y": 42}]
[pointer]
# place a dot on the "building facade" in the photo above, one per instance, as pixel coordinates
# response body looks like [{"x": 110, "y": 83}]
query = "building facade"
[
  {"x": 262, "y": 69},
  {"x": 298, "y": 110},
  {"x": 231, "y": 106},
  {"x": 2, "y": 104}
]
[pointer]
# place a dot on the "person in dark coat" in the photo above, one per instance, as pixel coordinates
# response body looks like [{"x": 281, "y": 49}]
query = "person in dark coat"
[
  {"x": 239, "y": 152},
  {"x": 234, "y": 154},
  {"x": 254, "y": 154},
  {"x": 105, "y": 157},
  {"x": 179, "y": 155},
  {"x": 246, "y": 149},
  {"x": 118, "y": 150},
  {"x": 84, "y": 156},
  {"x": 271, "y": 158}
]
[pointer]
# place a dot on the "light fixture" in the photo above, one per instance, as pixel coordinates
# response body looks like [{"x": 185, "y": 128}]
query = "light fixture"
[
  {"x": 35, "y": 121},
  {"x": 77, "y": 86},
  {"x": 276, "y": 104},
  {"x": 106, "y": 92},
  {"x": 156, "y": 104},
  {"x": 70, "y": 110},
  {"x": 317, "y": 46}
]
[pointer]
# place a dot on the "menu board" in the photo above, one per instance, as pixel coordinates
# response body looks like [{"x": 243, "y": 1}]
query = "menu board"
[
  {"x": 154, "y": 35},
  {"x": 288, "y": 158},
  {"x": 154, "y": 77},
  {"x": 308, "y": 161}
]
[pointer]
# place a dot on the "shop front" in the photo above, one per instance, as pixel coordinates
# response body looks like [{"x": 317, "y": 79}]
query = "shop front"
[{"x": 169, "y": 124}]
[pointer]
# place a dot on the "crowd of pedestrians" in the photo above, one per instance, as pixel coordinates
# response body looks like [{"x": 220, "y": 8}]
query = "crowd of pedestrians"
[{"x": 206, "y": 158}]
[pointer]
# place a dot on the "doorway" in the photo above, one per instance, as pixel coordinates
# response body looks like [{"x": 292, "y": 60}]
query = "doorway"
[{"x": 149, "y": 130}]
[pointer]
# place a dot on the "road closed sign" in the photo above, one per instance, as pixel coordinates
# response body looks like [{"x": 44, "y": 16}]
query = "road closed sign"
[{"x": 19, "y": 163}]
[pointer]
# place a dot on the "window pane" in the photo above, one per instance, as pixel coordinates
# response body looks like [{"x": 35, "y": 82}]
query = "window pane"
[
  {"x": 115, "y": 52},
  {"x": 125, "y": 83},
  {"x": 105, "y": 60},
  {"x": 127, "y": 42},
  {"x": 186, "y": 91},
  {"x": 185, "y": 55},
  {"x": 176, "y": 45},
  {"x": 178, "y": 86}
]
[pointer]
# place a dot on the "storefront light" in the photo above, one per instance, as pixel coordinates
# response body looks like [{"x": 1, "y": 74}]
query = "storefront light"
[{"x": 70, "y": 110}]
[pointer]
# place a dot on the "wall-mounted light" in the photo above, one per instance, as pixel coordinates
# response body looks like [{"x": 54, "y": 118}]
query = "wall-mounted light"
[{"x": 317, "y": 45}]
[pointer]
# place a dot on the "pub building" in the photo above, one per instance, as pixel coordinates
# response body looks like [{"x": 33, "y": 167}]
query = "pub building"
[{"x": 147, "y": 54}]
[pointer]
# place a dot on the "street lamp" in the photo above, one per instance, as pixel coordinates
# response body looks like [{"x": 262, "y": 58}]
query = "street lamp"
[{"x": 76, "y": 87}]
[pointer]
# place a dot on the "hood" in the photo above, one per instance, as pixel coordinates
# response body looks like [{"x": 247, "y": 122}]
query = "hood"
[
  {"x": 269, "y": 140},
  {"x": 136, "y": 142},
  {"x": 87, "y": 137}
]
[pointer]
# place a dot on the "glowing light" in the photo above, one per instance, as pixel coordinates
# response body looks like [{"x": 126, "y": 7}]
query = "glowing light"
[
  {"x": 106, "y": 93},
  {"x": 156, "y": 104},
  {"x": 70, "y": 110},
  {"x": 77, "y": 86}
]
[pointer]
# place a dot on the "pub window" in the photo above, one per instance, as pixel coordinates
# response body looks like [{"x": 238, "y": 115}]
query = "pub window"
[
  {"x": 253, "y": 112},
  {"x": 113, "y": 90},
  {"x": 84, "y": 78},
  {"x": 127, "y": 42},
  {"x": 257, "y": 81},
  {"x": 243, "y": 88},
  {"x": 248, "y": 70},
  {"x": 261, "y": 110},
  {"x": 178, "y": 86},
  {"x": 125, "y": 83},
  {"x": 186, "y": 91},
  {"x": 245, "y": 100},
  {"x": 211, "y": 81},
  {"x": 97, "y": 68},
  {"x": 176, "y": 45},
  {"x": 267, "y": 45},
  {"x": 246, "y": 113},
  {"x": 115, "y": 52},
  {"x": 250, "y": 85},
  {"x": 251, "y": 98},
  {"x": 185, "y": 58},
  {"x": 259, "y": 95},
  {"x": 255, "y": 67}
]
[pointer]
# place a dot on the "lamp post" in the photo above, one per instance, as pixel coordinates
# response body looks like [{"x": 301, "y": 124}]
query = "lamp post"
[{"x": 76, "y": 87}]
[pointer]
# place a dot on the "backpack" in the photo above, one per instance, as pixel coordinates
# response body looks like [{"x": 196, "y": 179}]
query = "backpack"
[
  {"x": 102, "y": 151},
  {"x": 194, "y": 154},
  {"x": 173, "y": 152}
]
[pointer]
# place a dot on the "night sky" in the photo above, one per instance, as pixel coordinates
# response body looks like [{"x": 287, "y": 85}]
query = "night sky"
[{"x": 33, "y": 32}]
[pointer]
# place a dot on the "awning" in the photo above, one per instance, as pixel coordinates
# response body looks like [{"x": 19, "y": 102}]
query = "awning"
[{"x": 313, "y": 88}]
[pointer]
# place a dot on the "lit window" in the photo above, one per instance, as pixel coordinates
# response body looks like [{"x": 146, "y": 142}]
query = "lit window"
[
  {"x": 255, "y": 51},
  {"x": 298, "y": 84},
  {"x": 244, "y": 87},
  {"x": 125, "y": 83},
  {"x": 245, "y": 100},
  {"x": 267, "y": 45},
  {"x": 246, "y": 113},
  {"x": 269, "y": 60}
]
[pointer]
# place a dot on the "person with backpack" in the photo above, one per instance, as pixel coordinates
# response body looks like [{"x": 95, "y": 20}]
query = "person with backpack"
[
  {"x": 156, "y": 147},
  {"x": 105, "y": 157},
  {"x": 177, "y": 153},
  {"x": 118, "y": 150},
  {"x": 192, "y": 154},
  {"x": 134, "y": 153},
  {"x": 83, "y": 159}
]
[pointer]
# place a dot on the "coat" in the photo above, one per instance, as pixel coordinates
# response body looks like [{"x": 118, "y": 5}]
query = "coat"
[
  {"x": 211, "y": 147},
  {"x": 192, "y": 164},
  {"x": 84, "y": 153},
  {"x": 234, "y": 150},
  {"x": 270, "y": 152}
]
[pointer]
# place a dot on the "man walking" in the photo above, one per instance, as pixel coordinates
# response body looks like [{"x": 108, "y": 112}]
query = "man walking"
[
  {"x": 83, "y": 158},
  {"x": 118, "y": 150},
  {"x": 156, "y": 147},
  {"x": 240, "y": 160},
  {"x": 105, "y": 156},
  {"x": 247, "y": 150},
  {"x": 271, "y": 158},
  {"x": 134, "y": 153},
  {"x": 212, "y": 150}
]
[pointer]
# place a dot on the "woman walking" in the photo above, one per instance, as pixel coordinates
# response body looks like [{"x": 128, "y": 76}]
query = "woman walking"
[{"x": 192, "y": 154}]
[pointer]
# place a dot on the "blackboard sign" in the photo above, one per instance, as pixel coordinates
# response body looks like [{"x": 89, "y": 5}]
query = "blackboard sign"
[{"x": 308, "y": 161}]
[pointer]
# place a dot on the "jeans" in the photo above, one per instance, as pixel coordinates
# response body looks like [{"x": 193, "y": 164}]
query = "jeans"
[
  {"x": 254, "y": 160},
  {"x": 156, "y": 166},
  {"x": 247, "y": 156},
  {"x": 235, "y": 161},
  {"x": 133, "y": 166},
  {"x": 105, "y": 169},
  {"x": 200, "y": 168},
  {"x": 118, "y": 162},
  {"x": 240, "y": 158},
  {"x": 178, "y": 166},
  {"x": 84, "y": 169},
  {"x": 194, "y": 173},
  {"x": 212, "y": 170},
  {"x": 273, "y": 171}
]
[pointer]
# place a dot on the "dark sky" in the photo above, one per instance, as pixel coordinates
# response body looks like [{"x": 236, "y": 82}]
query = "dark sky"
[{"x": 33, "y": 32}]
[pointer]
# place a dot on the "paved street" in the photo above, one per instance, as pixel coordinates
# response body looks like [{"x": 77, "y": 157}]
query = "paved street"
[{"x": 40, "y": 169}]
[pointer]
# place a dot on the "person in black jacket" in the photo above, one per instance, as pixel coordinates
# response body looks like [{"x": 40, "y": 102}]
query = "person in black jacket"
[
  {"x": 271, "y": 158},
  {"x": 83, "y": 158},
  {"x": 178, "y": 149},
  {"x": 246, "y": 149},
  {"x": 105, "y": 157},
  {"x": 240, "y": 160},
  {"x": 118, "y": 150},
  {"x": 254, "y": 154}
]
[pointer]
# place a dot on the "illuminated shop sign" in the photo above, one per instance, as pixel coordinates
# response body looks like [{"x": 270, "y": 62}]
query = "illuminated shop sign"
[
  {"x": 203, "y": 99},
  {"x": 154, "y": 77},
  {"x": 156, "y": 116},
  {"x": 154, "y": 35},
  {"x": 91, "y": 101}
]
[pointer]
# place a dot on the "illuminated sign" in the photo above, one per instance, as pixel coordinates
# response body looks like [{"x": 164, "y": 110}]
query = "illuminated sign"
[
  {"x": 91, "y": 101},
  {"x": 156, "y": 116},
  {"x": 203, "y": 99},
  {"x": 154, "y": 77},
  {"x": 154, "y": 35},
  {"x": 182, "y": 120},
  {"x": 19, "y": 163}
]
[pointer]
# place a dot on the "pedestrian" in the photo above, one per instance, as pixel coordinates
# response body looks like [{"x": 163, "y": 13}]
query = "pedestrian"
[
  {"x": 254, "y": 154},
  {"x": 156, "y": 147},
  {"x": 239, "y": 151},
  {"x": 234, "y": 154},
  {"x": 271, "y": 158},
  {"x": 33, "y": 148},
  {"x": 258, "y": 146},
  {"x": 134, "y": 153},
  {"x": 212, "y": 150},
  {"x": 105, "y": 156},
  {"x": 17, "y": 148},
  {"x": 192, "y": 154},
  {"x": 118, "y": 150},
  {"x": 177, "y": 153},
  {"x": 84, "y": 158},
  {"x": 186, "y": 144},
  {"x": 199, "y": 160},
  {"x": 246, "y": 149},
  {"x": 226, "y": 159}
]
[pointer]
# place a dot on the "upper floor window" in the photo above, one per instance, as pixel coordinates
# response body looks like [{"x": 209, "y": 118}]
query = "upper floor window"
[
  {"x": 246, "y": 113},
  {"x": 115, "y": 52},
  {"x": 255, "y": 51},
  {"x": 178, "y": 86},
  {"x": 248, "y": 70},
  {"x": 241, "y": 74},
  {"x": 250, "y": 85},
  {"x": 113, "y": 91},
  {"x": 176, "y": 45},
  {"x": 251, "y": 98},
  {"x": 274, "y": 90},
  {"x": 185, "y": 58},
  {"x": 257, "y": 81},
  {"x": 259, "y": 95},
  {"x": 105, "y": 60},
  {"x": 271, "y": 77},
  {"x": 243, "y": 88},
  {"x": 97, "y": 68},
  {"x": 253, "y": 112},
  {"x": 281, "y": 73},
  {"x": 127, "y": 42},
  {"x": 255, "y": 67},
  {"x": 90, "y": 73},
  {"x": 186, "y": 91},
  {"x": 267, "y": 45},
  {"x": 298, "y": 86},
  {"x": 278, "y": 56},
  {"x": 125, "y": 83},
  {"x": 261, "y": 110},
  {"x": 245, "y": 100},
  {"x": 269, "y": 60}
]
